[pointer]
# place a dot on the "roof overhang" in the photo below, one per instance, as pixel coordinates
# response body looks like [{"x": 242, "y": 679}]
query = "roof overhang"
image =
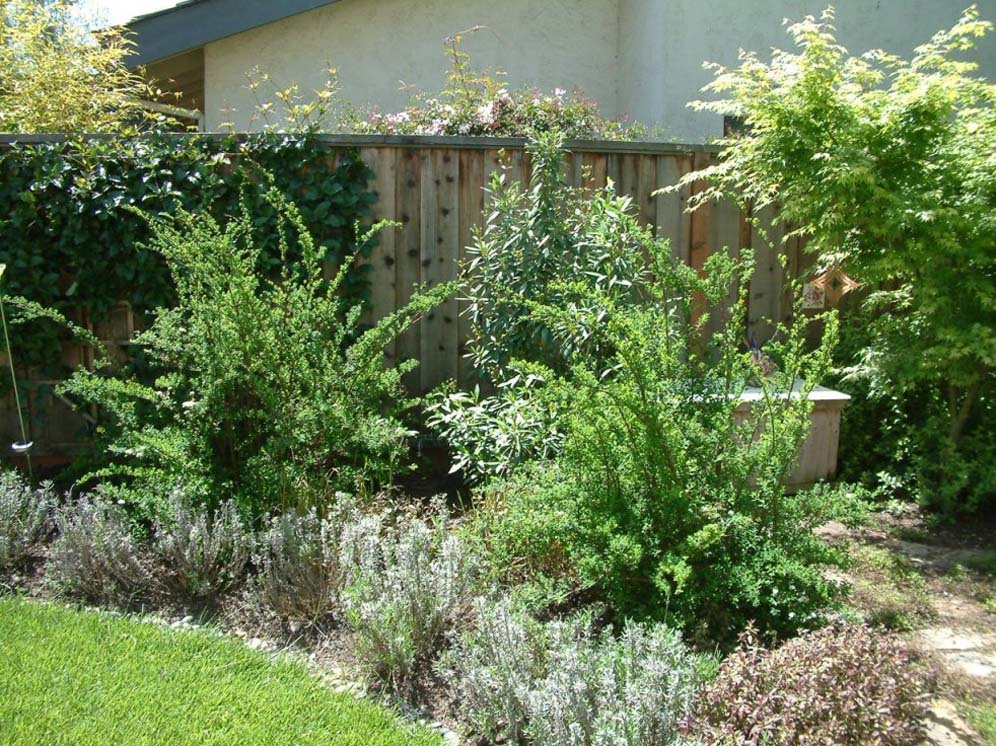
[{"x": 195, "y": 23}]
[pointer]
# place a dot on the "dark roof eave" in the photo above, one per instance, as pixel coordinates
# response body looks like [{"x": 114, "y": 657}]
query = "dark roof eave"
[{"x": 193, "y": 24}]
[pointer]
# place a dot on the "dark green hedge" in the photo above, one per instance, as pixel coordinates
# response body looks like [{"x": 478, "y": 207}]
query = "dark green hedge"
[{"x": 70, "y": 242}]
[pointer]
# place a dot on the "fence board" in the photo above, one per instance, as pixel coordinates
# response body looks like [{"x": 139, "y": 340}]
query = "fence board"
[
  {"x": 408, "y": 249},
  {"x": 471, "y": 216},
  {"x": 766, "y": 296},
  {"x": 440, "y": 252},
  {"x": 672, "y": 222},
  {"x": 383, "y": 259}
]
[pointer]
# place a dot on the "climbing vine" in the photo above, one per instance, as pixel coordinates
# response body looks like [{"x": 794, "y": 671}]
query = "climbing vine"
[{"x": 73, "y": 215}]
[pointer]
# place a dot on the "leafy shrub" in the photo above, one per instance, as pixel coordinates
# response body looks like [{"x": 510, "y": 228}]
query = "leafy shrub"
[
  {"x": 267, "y": 390},
  {"x": 300, "y": 572},
  {"x": 891, "y": 179},
  {"x": 476, "y": 103},
  {"x": 670, "y": 502},
  {"x": 61, "y": 76},
  {"x": 25, "y": 515},
  {"x": 96, "y": 556},
  {"x": 531, "y": 242},
  {"x": 200, "y": 556},
  {"x": 841, "y": 684},
  {"x": 559, "y": 685},
  {"x": 407, "y": 577},
  {"x": 491, "y": 435}
]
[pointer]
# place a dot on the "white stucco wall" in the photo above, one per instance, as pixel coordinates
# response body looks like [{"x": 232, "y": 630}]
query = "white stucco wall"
[
  {"x": 377, "y": 44},
  {"x": 663, "y": 44},
  {"x": 638, "y": 57}
]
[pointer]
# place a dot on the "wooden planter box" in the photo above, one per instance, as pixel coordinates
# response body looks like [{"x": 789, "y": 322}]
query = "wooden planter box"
[{"x": 818, "y": 454}]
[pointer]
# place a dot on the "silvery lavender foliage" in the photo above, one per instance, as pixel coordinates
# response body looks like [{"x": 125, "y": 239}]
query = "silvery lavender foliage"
[
  {"x": 96, "y": 557},
  {"x": 493, "y": 667},
  {"x": 556, "y": 684},
  {"x": 300, "y": 573},
  {"x": 24, "y": 518},
  {"x": 407, "y": 576},
  {"x": 633, "y": 690},
  {"x": 201, "y": 556}
]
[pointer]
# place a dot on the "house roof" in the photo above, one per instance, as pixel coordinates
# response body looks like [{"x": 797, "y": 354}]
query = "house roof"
[{"x": 194, "y": 23}]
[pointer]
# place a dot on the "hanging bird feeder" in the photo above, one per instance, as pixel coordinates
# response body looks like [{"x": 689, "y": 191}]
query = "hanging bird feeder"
[
  {"x": 23, "y": 445},
  {"x": 834, "y": 284}
]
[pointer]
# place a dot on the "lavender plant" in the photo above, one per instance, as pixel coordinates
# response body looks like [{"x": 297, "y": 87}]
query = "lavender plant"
[
  {"x": 494, "y": 665},
  {"x": 407, "y": 576},
  {"x": 300, "y": 572},
  {"x": 558, "y": 684},
  {"x": 25, "y": 518},
  {"x": 96, "y": 557},
  {"x": 200, "y": 555}
]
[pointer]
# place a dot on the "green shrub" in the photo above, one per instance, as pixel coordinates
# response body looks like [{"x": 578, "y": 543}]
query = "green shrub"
[
  {"x": 71, "y": 239},
  {"x": 884, "y": 166},
  {"x": 266, "y": 389},
  {"x": 844, "y": 685},
  {"x": 558, "y": 684},
  {"x": 25, "y": 518},
  {"x": 491, "y": 435},
  {"x": 532, "y": 241},
  {"x": 668, "y": 502}
]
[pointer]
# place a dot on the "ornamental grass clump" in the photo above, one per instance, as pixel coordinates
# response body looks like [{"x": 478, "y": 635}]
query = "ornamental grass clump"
[
  {"x": 25, "y": 519},
  {"x": 845, "y": 684},
  {"x": 300, "y": 572},
  {"x": 96, "y": 556},
  {"x": 408, "y": 576}
]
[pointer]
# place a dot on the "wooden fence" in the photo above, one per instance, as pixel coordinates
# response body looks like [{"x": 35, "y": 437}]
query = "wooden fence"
[{"x": 435, "y": 187}]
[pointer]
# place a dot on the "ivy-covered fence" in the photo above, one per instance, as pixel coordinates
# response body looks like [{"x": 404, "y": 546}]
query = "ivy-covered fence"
[
  {"x": 72, "y": 240},
  {"x": 72, "y": 232}
]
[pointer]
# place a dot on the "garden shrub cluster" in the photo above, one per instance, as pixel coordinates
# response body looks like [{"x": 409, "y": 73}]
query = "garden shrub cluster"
[
  {"x": 659, "y": 497},
  {"x": 626, "y": 509},
  {"x": 884, "y": 166}
]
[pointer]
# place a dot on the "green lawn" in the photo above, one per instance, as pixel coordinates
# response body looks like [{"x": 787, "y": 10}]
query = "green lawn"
[{"x": 86, "y": 678}]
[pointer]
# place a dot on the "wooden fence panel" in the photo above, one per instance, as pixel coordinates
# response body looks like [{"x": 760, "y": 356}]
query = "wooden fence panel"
[
  {"x": 440, "y": 255},
  {"x": 437, "y": 189}
]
